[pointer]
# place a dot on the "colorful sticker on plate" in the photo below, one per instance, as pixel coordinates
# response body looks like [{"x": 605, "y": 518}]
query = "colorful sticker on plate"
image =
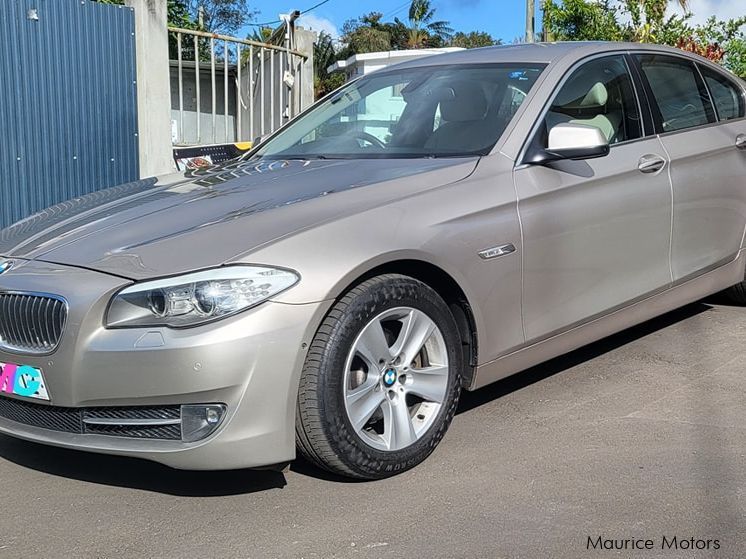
[{"x": 22, "y": 380}]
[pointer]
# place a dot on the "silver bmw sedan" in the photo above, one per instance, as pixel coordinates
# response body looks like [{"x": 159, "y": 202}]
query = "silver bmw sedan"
[{"x": 429, "y": 228}]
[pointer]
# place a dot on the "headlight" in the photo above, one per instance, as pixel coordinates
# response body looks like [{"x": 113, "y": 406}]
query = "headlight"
[{"x": 194, "y": 299}]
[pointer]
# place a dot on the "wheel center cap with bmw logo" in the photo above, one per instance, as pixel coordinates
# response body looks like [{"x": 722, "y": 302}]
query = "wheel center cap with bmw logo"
[
  {"x": 389, "y": 377},
  {"x": 5, "y": 266}
]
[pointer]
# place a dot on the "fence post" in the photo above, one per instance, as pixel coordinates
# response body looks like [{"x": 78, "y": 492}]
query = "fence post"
[
  {"x": 304, "y": 40},
  {"x": 153, "y": 87}
]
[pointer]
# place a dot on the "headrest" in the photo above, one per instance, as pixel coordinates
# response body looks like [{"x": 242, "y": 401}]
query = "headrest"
[
  {"x": 576, "y": 95},
  {"x": 463, "y": 101}
]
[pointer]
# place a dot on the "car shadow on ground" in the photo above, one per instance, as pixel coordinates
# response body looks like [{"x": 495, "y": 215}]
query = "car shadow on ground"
[
  {"x": 135, "y": 473},
  {"x": 471, "y": 400},
  {"x": 149, "y": 476}
]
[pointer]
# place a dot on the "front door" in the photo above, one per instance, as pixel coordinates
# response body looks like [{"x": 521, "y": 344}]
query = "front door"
[{"x": 596, "y": 232}]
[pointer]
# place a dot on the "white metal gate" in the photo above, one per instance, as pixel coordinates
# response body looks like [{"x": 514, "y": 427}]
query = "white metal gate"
[{"x": 225, "y": 89}]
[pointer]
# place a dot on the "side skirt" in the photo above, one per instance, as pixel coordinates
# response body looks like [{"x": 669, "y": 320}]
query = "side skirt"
[{"x": 656, "y": 305}]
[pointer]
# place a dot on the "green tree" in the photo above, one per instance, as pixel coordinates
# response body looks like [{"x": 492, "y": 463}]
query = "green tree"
[
  {"x": 369, "y": 33},
  {"x": 179, "y": 14},
  {"x": 649, "y": 23},
  {"x": 723, "y": 41},
  {"x": 220, "y": 16},
  {"x": 473, "y": 39},
  {"x": 646, "y": 21},
  {"x": 261, "y": 34},
  {"x": 399, "y": 34},
  {"x": 324, "y": 55},
  {"x": 423, "y": 28},
  {"x": 581, "y": 20},
  {"x": 217, "y": 16},
  {"x": 365, "y": 34}
]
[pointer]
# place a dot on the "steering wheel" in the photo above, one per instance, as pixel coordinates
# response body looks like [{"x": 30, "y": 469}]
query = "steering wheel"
[{"x": 366, "y": 137}]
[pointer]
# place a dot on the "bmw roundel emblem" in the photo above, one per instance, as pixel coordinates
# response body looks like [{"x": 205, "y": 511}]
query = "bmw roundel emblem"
[
  {"x": 389, "y": 377},
  {"x": 5, "y": 265}
]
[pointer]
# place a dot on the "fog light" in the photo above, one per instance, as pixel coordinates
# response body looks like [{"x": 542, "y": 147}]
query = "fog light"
[
  {"x": 213, "y": 416},
  {"x": 198, "y": 421}
]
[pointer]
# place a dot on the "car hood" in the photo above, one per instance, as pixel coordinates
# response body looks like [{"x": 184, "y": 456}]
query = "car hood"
[{"x": 184, "y": 222}]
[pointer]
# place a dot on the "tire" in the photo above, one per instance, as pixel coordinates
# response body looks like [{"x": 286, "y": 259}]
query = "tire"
[
  {"x": 737, "y": 293},
  {"x": 340, "y": 382}
]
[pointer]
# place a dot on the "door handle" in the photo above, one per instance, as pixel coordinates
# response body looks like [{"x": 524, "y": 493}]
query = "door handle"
[
  {"x": 651, "y": 163},
  {"x": 741, "y": 141}
]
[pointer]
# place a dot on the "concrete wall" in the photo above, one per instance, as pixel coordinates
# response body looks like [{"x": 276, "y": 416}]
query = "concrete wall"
[
  {"x": 304, "y": 40},
  {"x": 153, "y": 89},
  {"x": 188, "y": 134}
]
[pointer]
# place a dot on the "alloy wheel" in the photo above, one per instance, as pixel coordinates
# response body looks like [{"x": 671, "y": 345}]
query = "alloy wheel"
[{"x": 396, "y": 378}]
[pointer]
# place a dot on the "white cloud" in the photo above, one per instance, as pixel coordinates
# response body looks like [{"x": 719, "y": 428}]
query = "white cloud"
[
  {"x": 318, "y": 24},
  {"x": 703, "y": 9}
]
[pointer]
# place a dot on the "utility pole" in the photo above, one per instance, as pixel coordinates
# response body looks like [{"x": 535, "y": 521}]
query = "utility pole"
[{"x": 530, "y": 17}]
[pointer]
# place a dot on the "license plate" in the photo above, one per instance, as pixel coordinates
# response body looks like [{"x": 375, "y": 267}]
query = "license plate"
[{"x": 22, "y": 380}]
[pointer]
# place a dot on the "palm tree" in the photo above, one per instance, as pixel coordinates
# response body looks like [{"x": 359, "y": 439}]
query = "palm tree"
[
  {"x": 324, "y": 55},
  {"x": 422, "y": 26},
  {"x": 260, "y": 34}
]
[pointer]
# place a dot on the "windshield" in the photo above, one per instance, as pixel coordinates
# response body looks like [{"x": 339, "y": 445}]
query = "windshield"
[{"x": 432, "y": 111}]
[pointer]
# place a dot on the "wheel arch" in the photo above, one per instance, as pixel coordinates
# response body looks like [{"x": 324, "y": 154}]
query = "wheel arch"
[{"x": 447, "y": 288}]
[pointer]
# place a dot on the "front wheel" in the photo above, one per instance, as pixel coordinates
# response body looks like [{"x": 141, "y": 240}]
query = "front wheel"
[{"x": 381, "y": 380}]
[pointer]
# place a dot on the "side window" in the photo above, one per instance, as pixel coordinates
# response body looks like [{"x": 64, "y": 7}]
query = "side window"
[
  {"x": 726, "y": 95},
  {"x": 600, "y": 93},
  {"x": 681, "y": 98}
]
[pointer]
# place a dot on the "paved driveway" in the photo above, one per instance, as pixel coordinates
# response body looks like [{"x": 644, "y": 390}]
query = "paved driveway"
[{"x": 639, "y": 436}]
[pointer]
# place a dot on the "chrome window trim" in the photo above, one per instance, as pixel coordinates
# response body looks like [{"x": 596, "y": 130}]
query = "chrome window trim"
[
  {"x": 646, "y": 134},
  {"x": 701, "y": 127},
  {"x": 26, "y": 351}
]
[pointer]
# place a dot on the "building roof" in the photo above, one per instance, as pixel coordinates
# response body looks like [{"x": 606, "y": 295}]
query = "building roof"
[{"x": 390, "y": 57}]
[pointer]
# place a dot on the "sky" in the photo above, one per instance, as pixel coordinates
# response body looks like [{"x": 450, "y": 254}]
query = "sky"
[
  {"x": 500, "y": 18},
  {"x": 503, "y": 19}
]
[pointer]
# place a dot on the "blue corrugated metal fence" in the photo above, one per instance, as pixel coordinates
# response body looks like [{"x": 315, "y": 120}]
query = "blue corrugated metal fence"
[{"x": 68, "y": 102}]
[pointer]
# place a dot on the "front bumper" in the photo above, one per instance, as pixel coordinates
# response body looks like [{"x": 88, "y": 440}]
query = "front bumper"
[{"x": 250, "y": 362}]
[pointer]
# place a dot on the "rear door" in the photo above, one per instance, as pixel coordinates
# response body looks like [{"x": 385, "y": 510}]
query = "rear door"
[{"x": 706, "y": 144}]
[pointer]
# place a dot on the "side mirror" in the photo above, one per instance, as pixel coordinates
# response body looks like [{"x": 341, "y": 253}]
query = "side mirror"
[
  {"x": 570, "y": 141},
  {"x": 576, "y": 141},
  {"x": 257, "y": 141}
]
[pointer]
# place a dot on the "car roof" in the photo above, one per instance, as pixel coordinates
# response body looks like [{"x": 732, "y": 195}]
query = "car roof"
[{"x": 540, "y": 53}]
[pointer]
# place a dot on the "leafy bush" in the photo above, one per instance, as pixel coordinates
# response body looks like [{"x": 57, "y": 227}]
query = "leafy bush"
[{"x": 645, "y": 21}]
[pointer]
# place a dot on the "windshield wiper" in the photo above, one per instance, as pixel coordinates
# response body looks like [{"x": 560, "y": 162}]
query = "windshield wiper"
[{"x": 300, "y": 157}]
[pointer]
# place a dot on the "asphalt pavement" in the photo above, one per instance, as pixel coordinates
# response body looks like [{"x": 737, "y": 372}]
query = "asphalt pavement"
[{"x": 639, "y": 437}]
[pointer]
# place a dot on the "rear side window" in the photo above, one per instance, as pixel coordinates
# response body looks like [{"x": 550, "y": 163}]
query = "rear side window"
[
  {"x": 678, "y": 90},
  {"x": 726, "y": 95}
]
